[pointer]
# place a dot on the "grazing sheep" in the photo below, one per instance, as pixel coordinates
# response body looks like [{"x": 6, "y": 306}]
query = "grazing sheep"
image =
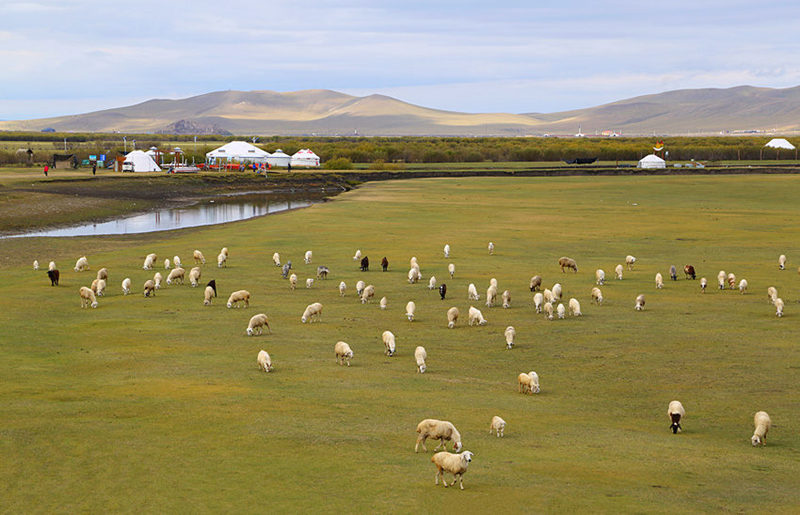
[
  {"x": 721, "y": 279},
  {"x": 675, "y": 412},
  {"x": 743, "y": 286},
  {"x": 472, "y": 292},
  {"x": 441, "y": 430},
  {"x": 276, "y": 259},
  {"x": 493, "y": 282},
  {"x": 597, "y": 295},
  {"x": 639, "y": 303},
  {"x": 175, "y": 275},
  {"x": 703, "y": 284},
  {"x": 364, "y": 264},
  {"x": 367, "y": 294},
  {"x": 673, "y": 273},
  {"x": 194, "y": 276},
  {"x": 87, "y": 297},
  {"x": 384, "y": 302},
  {"x": 94, "y": 286},
  {"x": 451, "y": 269},
  {"x": 782, "y": 262},
  {"x": 476, "y": 317},
  {"x": 322, "y": 272},
  {"x": 312, "y": 311},
  {"x": 538, "y": 301},
  {"x": 629, "y": 261},
  {"x": 528, "y": 383},
  {"x": 157, "y": 280},
  {"x": 149, "y": 261},
  {"x": 574, "y": 307},
  {"x": 237, "y": 297},
  {"x": 455, "y": 464},
  {"x": 732, "y": 281},
  {"x": 285, "y": 269},
  {"x": 420, "y": 356},
  {"x": 309, "y": 282},
  {"x": 413, "y": 262},
  {"x": 536, "y": 282},
  {"x": 566, "y": 262},
  {"x": 101, "y": 287},
  {"x": 102, "y": 273},
  {"x": 126, "y": 286},
  {"x": 506, "y": 299},
  {"x": 491, "y": 248},
  {"x": 357, "y": 255},
  {"x": 52, "y": 265},
  {"x": 360, "y": 285},
  {"x": 561, "y": 311},
  {"x": 618, "y": 272},
  {"x": 149, "y": 288},
  {"x": 557, "y": 291},
  {"x": 491, "y": 296},
  {"x": 452, "y": 317},
  {"x": 208, "y": 294},
  {"x": 659, "y": 281},
  {"x": 688, "y": 271},
  {"x": 432, "y": 283},
  {"x": 411, "y": 308},
  {"x": 54, "y": 276},
  {"x": 510, "y": 334},
  {"x": 198, "y": 257},
  {"x": 35, "y": 264},
  {"x": 213, "y": 284},
  {"x": 167, "y": 264},
  {"x": 778, "y": 307},
  {"x": 548, "y": 296},
  {"x": 413, "y": 275},
  {"x": 257, "y": 323},
  {"x": 388, "y": 342},
  {"x": 224, "y": 251},
  {"x": 293, "y": 282},
  {"x": 385, "y": 264},
  {"x": 600, "y": 276},
  {"x": 447, "y": 250},
  {"x": 307, "y": 257},
  {"x": 762, "y": 423},
  {"x": 442, "y": 291},
  {"x": 343, "y": 353},
  {"x": 264, "y": 361},
  {"x": 222, "y": 259},
  {"x": 82, "y": 264},
  {"x": 548, "y": 310},
  {"x": 772, "y": 294},
  {"x": 342, "y": 287},
  {"x": 498, "y": 426},
  {"x": 176, "y": 261}
]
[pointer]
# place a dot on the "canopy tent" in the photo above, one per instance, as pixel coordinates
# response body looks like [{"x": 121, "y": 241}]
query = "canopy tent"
[
  {"x": 279, "y": 158},
  {"x": 779, "y": 144},
  {"x": 651, "y": 161},
  {"x": 138, "y": 161},
  {"x": 305, "y": 157},
  {"x": 239, "y": 151}
]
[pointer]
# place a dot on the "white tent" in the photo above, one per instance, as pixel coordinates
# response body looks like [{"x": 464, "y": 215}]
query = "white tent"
[
  {"x": 138, "y": 161},
  {"x": 651, "y": 161},
  {"x": 305, "y": 157},
  {"x": 780, "y": 143},
  {"x": 279, "y": 158},
  {"x": 238, "y": 151}
]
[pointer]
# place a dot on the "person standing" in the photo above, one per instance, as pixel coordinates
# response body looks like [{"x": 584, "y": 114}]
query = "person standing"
[
  {"x": 94, "y": 167},
  {"x": 46, "y": 168}
]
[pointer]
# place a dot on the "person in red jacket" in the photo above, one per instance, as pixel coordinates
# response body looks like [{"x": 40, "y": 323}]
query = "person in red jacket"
[{"x": 46, "y": 168}]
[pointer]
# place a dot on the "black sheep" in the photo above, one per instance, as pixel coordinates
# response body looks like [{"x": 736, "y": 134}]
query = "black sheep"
[
  {"x": 365, "y": 264},
  {"x": 53, "y": 275},
  {"x": 385, "y": 263},
  {"x": 443, "y": 291},
  {"x": 213, "y": 284}
]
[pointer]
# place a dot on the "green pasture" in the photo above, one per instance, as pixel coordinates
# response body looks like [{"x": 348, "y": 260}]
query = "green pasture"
[{"x": 157, "y": 404}]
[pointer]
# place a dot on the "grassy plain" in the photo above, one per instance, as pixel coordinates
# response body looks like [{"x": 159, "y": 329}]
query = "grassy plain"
[{"x": 157, "y": 404}]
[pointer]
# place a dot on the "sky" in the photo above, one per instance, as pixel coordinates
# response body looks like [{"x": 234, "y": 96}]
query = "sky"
[{"x": 73, "y": 56}]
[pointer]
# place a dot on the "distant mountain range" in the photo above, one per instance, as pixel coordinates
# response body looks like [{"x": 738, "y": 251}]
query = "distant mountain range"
[{"x": 325, "y": 113}]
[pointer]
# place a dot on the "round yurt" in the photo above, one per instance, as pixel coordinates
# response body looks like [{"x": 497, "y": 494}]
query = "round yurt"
[
  {"x": 651, "y": 161},
  {"x": 305, "y": 157}
]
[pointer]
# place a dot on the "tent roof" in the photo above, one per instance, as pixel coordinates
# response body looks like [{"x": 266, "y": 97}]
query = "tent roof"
[
  {"x": 305, "y": 154},
  {"x": 142, "y": 162},
  {"x": 279, "y": 153},
  {"x": 780, "y": 143},
  {"x": 238, "y": 149},
  {"x": 652, "y": 158}
]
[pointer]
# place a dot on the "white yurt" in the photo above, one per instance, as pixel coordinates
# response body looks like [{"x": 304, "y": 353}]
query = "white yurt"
[
  {"x": 305, "y": 157},
  {"x": 237, "y": 151},
  {"x": 651, "y": 161},
  {"x": 279, "y": 158},
  {"x": 139, "y": 161}
]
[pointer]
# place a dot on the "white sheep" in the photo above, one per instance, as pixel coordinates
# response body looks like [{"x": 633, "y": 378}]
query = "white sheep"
[
  {"x": 82, "y": 264},
  {"x": 157, "y": 278},
  {"x": 675, "y": 412},
  {"x": 557, "y": 291},
  {"x": 721, "y": 279},
  {"x": 452, "y": 317},
  {"x": 176, "y": 261},
  {"x": 441, "y": 430},
  {"x": 309, "y": 282},
  {"x": 772, "y": 294},
  {"x": 538, "y": 301},
  {"x": 498, "y": 426},
  {"x": 491, "y": 296},
  {"x": 101, "y": 287},
  {"x": 343, "y": 353},
  {"x": 126, "y": 286},
  {"x": 574, "y": 307},
  {"x": 782, "y": 262},
  {"x": 493, "y": 282},
  {"x": 208, "y": 294},
  {"x": 102, "y": 273},
  {"x": 476, "y": 317},
  {"x": 384, "y": 302},
  {"x": 342, "y": 287},
  {"x": 597, "y": 295},
  {"x": 639, "y": 303},
  {"x": 413, "y": 262},
  {"x": 194, "y": 276},
  {"x": 600, "y": 276},
  {"x": 222, "y": 259},
  {"x": 659, "y": 281},
  {"x": 510, "y": 334},
  {"x": 237, "y": 297},
  {"x": 447, "y": 250},
  {"x": 762, "y": 423},
  {"x": 94, "y": 286},
  {"x": 778, "y": 307},
  {"x": 35, "y": 264},
  {"x": 224, "y": 251},
  {"x": 413, "y": 275},
  {"x": 561, "y": 311},
  {"x": 703, "y": 284},
  {"x": 307, "y": 257},
  {"x": 87, "y": 297},
  {"x": 548, "y": 310},
  {"x": 149, "y": 288},
  {"x": 536, "y": 282},
  {"x": 167, "y": 264},
  {"x": 491, "y": 248},
  {"x": 411, "y": 308},
  {"x": 432, "y": 283},
  {"x": 455, "y": 464},
  {"x": 51, "y": 266},
  {"x": 276, "y": 259},
  {"x": 264, "y": 361},
  {"x": 618, "y": 272},
  {"x": 629, "y": 261},
  {"x": 367, "y": 294},
  {"x": 506, "y": 299},
  {"x": 420, "y": 355},
  {"x": 528, "y": 383},
  {"x": 472, "y": 292},
  {"x": 311, "y": 312},
  {"x": 732, "y": 281},
  {"x": 257, "y": 323},
  {"x": 293, "y": 282},
  {"x": 175, "y": 275},
  {"x": 357, "y": 255},
  {"x": 451, "y": 269},
  {"x": 743, "y": 286},
  {"x": 388, "y": 343},
  {"x": 149, "y": 261},
  {"x": 198, "y": 257},
  {"x": 360, "y": 285},
  {"x": 548, "y": 296}
]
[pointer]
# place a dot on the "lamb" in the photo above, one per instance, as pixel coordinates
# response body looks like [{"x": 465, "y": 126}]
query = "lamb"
[
  {"x": 442, "y": 291},
  {"x": 237, "y": 297},
  {"x": 778, "y": 307},
  {"x": 364, "y": 264},
  {"x": 538, "y": 302},
  {"x": 175, "y": 275},
  {"x": 536, "y": 282},
  {"x": 447, "y": 250},
  {"x": 126, "y": 286},
  {"x": 506, "y": 299},
  {"x": 357, "y": 255},
  {"x": 102, "y": 273},
  {"x": 420, "y": 356},
  {"x": 575, "y": 307},
  {"x": 721, "y": 279},
  {"x": 528, "y": 383},
  {"x": 309, "y": 282},
  {"x": 157, "y": 280},
  {"x": 673, "y": 273},
  {"x": 629, "y": 261},
  {"x": 456, "y": 464},
  {"x": 101, "y": 287},
  {"x": 176, "y": 261},
  {"x": 432, "y": 283},
  {"x": 491, "y": 248},
  {"x": 772, "y": 294},
  {"x": 731, "y": 281},
  {"x": 782, "y": 262},
  {"x": 222, "y": 259},
  {"x": 264, "y": 361},
  {"x": 452, "y": 317},
  {"x": 54, "y": 275},
  {"x": 385, "y": 264},
  {"x": 498, "y": 425},
  {"x": 257, "y": 323},
  {"x": 659, "y": 281},
  {"x": 343, "y": 353},
  {"x": 566, "y": 262},
  {"x": 557, "y": 291},
  {"x": 618, "y": 272},
  {"x": 491, "y": 296},
  {"x": 276, "y": 259},
  {"x": 561, "y": 310},
  {"x": 149, "y": 288},
  {"x": 167, "y": 264},
  {"x": 743, "y": 286},
  {"x": 285, "y": 269},
  {"x": 82, "y": 264},
  {"x": 413, "y": 275},
  {"x": 194, "y": 276},
  {"x": 472, "y": 292},
  {"x": 389, "y": 343},
  {"x": 762, "y": 422},
  {"x": 639, "y": 303},
  {"x": 411, "y": 308},
  {"x": 476, "y": 317},
  {"x": 149, "y": 261},
  {"x": 293, "y": 281},
  {"x": 675, "y": 412},
  {"x": 597, "y": 295},
  {"x": 688, "y": 271},
  {"x": 307, "y": 257},
  {"x": 35, "y": 264},
  {"x": 600, "y": 275},
  {"x": 441, "y": 430},
  {"x": 510, "y": 334},
  {"x": 52, "y": 265},
  {"x": 451, "y": 269},
  {"x": 208, "y": 294},
  {"x": 198, "y": 257},
  {"x": 87, "y": 297},
  {"x": 322, "y": 272},
  {"x": 360, "y": 285},
  {"x": 312, "y": 311},
  {"x": 367, "y": 294},
  {"x": 342, "y": 287},
  {"x": 384, "y": 302},
  {"x": 548, "y": 296},
  {"x": 703, "y": 284},
  {"x": 548, "y": 310}
]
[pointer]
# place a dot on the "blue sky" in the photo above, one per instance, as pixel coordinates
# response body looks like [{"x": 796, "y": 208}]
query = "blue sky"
[{"x": 71, "y": 56}]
